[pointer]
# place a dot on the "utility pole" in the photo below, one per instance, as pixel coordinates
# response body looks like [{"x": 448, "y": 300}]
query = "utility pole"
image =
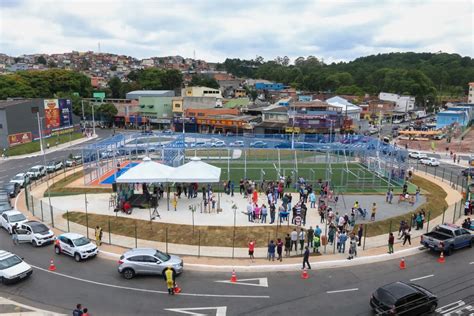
[
  {"x": 93, "y": 121},
  {"x": 40, "y": 133}
]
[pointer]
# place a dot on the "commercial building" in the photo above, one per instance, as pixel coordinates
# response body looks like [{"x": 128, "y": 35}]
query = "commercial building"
[
  {"x": 350, "y": 110},
  {"x": 157, "y": 110},
  {"x": 452, "y": 116},
  {"x": 315, "y": 117},
  {"x": 19, "y": 122},
  {"x": 201, "y": 92},
  {"x": 135, "y": 95},
  {"x": 402, "y": 103}
]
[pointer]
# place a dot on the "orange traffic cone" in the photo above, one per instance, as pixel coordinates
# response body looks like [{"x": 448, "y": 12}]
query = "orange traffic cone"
[
  {"x": 52, "y": 267},
  {"x": 441, "y": 258},
  {"x": 176, "y": 289},
  {"x": 304, "y": 274},
  {"x": 233, "y": 278},
  {"x": 402, "y": 264}
]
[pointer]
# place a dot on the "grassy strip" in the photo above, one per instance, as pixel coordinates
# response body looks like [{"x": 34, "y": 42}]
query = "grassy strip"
[
  {"x": 60, "y": 188},
  {"x": 217, "y": 236},
  {"x": 32, "y": 147},
  {"x": 435, "y": 205}
]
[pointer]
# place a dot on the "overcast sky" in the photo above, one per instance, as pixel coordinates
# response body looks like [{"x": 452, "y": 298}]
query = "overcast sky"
[{"x": 214, "y": 30}]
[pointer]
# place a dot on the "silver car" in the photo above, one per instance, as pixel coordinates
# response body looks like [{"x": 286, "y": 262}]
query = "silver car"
[{"x": 147, "y": 261}]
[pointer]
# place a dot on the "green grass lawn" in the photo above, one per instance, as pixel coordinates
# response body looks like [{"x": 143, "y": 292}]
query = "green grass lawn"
[{"x": 34, "y": 146}]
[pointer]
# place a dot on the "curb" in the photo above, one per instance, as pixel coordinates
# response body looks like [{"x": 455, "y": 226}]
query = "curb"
[{"x": 294, "y": 266}]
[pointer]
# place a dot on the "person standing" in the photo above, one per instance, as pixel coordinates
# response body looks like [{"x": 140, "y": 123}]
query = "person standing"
[
  {"x": 287, "y": 245},
  {"x": 312, "y": 199},
  {"x": 390, "y": 198},
  {"x": 85, "y": 312},
  {"x": 250, "y": 211},
  {"x": 169, "y": 278},
  {"x": 15, "y": 234},
  {"x": 306, "y": 258},
  {"x": 251, "y": 249},
  {"x": 316, "y": 243},
  {"x": 360, "y": 232},
  {"x": 374, "y": 211},
  {"x": 174, "y": 202},
  {"x": 294, "y": 239},
  {"x": 264, "y": 213},
  {"x": 77, "y": 311},
  {"x": 310, "y": 234},
  {"x": 279, "y": 249},
  {"x": 272, "y": 213},
  {"x": 271, "y": 251},
  {"x": 352, "y": 247},
  {"x": 417, "y": 194},
  {"x": 301, "y": 237},
  {"x": 391, "y": 241},
  {"x": 342, "y": 242},
  {"x": 98, "y": 235},
  {"x": 407, "y": 237}
]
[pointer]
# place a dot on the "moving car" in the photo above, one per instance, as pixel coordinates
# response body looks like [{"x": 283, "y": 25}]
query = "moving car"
[
  {"x": 75, "y": 245},
  {"x": 54, "y": 166},
  {"x": 283, "y": 145},
  {"x": 147, "y": 261},
  {"x": 36, "y": 172},
  {"x": 36, "y": 233},
  {"x": 447, "y": 238},
  {"x": 199, "y": 144},
  {"x": 258, "y": 144},
  {"x": 21, "y": 178},
  {"x": 10, "y": 218},
  {"x": 74, "y": 161},
  {"x": 429, "y": 161},
  {"x": 12, "y": 189},
  {"x": 237, "y": 143},
  {"x": 417, "y": 155},
  {"x": 218, "y": 143},
  {"x": 13, "y": 268},
  {"x": 400, "y": 298}
]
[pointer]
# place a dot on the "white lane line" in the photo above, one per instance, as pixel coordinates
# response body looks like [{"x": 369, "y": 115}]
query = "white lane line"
[
  {"x": 146, "y": 290},
  {"x": 423, "y": 277},
  {"x": 341, "y": 291},
  {"x": 471, "y": 262}
]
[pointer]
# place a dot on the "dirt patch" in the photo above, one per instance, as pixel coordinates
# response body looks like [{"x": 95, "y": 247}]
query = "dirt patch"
[{"x": 63, "y": 186}]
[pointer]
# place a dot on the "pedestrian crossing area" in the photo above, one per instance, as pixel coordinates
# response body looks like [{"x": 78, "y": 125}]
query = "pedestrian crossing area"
[{"x": 12, "y": 308}]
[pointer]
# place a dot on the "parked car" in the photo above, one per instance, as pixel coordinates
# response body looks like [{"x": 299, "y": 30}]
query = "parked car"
[
  {"x": 417, "y": 155},
  {"x": 10, "y": 218},
  {"x": 147, "y": 261},
  {"x": 283, "y": 145},
  {"x": 468, "y": 171},
  {"x": 397, "y": 121},
  {"x": 447, "y": 238},
  {"x": 74, "y": 161},
  {"x": 12, "y": 189},
  {"x": 36, "y": 233},
  {"x": 429, "y": 161},
  {"x": 13, "y": 268},
  {"x": 400, "y": 298},
  {"x": 54, "y": 166},
  {"x": 36, "y": 172},
  {"x": 218, "y": 143},
  {"x": 21, "y": 178},
  {"x": 237, "y": 143},
  {"x": 258, "y": 144},
  {"x": 75, "y": 245},
  {"x": 4, "y": 207},
  {"x": 304, "y": 146},
  {"x": 199, "y": 144}
]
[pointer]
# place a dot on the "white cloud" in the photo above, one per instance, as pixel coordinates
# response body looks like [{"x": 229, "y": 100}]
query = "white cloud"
[{"x": 333, "y": 30}]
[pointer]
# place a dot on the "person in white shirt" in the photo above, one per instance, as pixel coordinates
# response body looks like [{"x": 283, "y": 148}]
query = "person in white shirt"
[
  {"x": 250, "y": 211},
  {"x": 294, "y": 238},
  {"x": 301, "y": 237}
]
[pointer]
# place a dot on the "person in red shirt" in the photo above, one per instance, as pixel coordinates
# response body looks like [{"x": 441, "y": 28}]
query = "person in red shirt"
[
  {"x": 255, "y": 196},
  {"x": 127, "y": 207},
  {"x": 251, "y": 249}
]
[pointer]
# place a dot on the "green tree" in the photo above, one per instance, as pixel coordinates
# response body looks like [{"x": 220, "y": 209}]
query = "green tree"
[
  {"x": 41, "y": 60},
  {"x": 52, "y": 64},
  {"x": 115, "y": 85},
  {"x": 204, "y": 81},
  {"x": 106, "y": 111}
]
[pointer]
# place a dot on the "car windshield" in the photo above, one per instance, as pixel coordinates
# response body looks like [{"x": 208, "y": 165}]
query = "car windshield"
[
  {"x": 9, "y": 262},
  {"x": 16, "y": 218},
  {"x": 18, "y": 178},
  {"x": 39, "y": 228},
  {"x": 385, "y": 297},
  {"x": 162, "y": 256},
  {"x": 81, "y": 241},
  {"x": 34, "y": 169}
]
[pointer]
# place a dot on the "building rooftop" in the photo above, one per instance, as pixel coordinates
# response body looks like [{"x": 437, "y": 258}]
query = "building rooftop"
[
  {"x": 7, "y": 103},
  {"x": 150, "y": 93}
]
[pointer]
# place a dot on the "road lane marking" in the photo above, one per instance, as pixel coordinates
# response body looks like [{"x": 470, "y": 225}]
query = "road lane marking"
[
  {"x": 263, "y": 282},
  {"x": 220, "y": 310},
  {"x": 423, "y": 277},
  {"x": 341, "y": 291},
  {"x": 146, "y": 290},
  {"x": 471, "y": 262}
]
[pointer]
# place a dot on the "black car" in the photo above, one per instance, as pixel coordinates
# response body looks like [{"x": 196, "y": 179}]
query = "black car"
[
  {"x": 400, "y": 298},
  {"x": 468, "y": 171},
  {"x": 12, "y": 189}
]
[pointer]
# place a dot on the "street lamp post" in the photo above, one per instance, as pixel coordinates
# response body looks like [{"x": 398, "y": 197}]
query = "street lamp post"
[
  {"x": 44, "y": 161},
  {"x": 93, "y": 121},
  {"x": 39, "y": 132}
]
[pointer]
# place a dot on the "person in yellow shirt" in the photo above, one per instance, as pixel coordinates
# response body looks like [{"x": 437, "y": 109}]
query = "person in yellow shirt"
[
  {"x": 169, "y": 277},
  {"x": 98, "y": 235},
  {"x": 374, "y": 210},
  {"x": 174, "y": 202}
]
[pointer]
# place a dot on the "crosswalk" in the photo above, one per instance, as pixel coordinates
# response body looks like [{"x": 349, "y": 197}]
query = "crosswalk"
[{"x": 12, "y": 308}]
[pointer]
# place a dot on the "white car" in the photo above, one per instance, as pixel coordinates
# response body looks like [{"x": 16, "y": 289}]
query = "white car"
[
  {"x": 54, "y": 166},
  {"x": 13, "y": 268},
  {"x": 21, "y": 178},
  {"x": 238, "y": 143},
  {"x": 75, "y": 245},
  {"x": 36, "y": 172},
  {"x": 36, "y": 233},
  {"x": 73, "y": 161},
  {"x": 218, "y": 143},
  {"x": 430, "y": 161},
  {"x": 417, "y": 155},
  {"x": 10, "y": 218},
  {"x": 397, "y": 121}
]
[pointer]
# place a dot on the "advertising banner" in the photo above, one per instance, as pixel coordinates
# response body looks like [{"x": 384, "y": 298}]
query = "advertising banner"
[
  {"x": 51, "y": 113},
  {"x": 65, "y": 110},
  {"x": 20, "y": 138}
]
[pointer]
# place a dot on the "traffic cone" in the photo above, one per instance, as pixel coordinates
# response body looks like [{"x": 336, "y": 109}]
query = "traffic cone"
[
  {"x": 441, "y": 258},
  {"x": 52, "y": 267},
  {"x": 176, "y": 289},
  {"x": 402, "y": 264},
  {"x": 233, "y": 278},
  {"x": 304, "y": 274}
]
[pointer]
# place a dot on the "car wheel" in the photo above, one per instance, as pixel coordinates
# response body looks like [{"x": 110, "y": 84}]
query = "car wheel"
[
  {"x": 77, "y": 257},
  {"x": 57, "y": 250},
  {"x": 128, "y": 273},
  {"x": 433, "y": 307},
  {"x": 470, "y": 244},
  {"x": 35, "y": 243},
  {"x": 449, "y": 251}
]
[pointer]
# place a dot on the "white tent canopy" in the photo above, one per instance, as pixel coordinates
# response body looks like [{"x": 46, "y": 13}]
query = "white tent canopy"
[
  {"x": 196, "y": 171},
  {"x": 147, "y": 171}
]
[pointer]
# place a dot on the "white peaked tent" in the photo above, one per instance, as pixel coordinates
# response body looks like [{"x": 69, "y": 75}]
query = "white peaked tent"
[
  {"x": 147, "y": 171},
  {"x": 196, "y": 171}
]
